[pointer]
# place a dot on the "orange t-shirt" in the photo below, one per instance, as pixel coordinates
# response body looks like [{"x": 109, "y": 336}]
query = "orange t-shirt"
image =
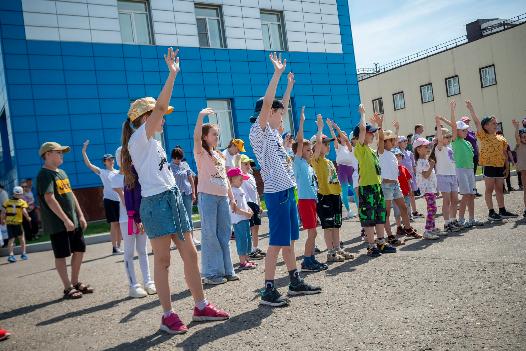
[{"x": 492, "y": 149}]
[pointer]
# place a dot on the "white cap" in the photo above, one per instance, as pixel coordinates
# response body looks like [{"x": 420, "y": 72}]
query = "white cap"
[
  {"x": 118, "y": 156},
  {"x": 17, "y": 190},
  {"x": 461, "y": 125}
]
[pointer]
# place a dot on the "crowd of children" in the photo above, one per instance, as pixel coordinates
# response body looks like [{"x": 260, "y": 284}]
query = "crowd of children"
[{"x": 155, "y": 197}]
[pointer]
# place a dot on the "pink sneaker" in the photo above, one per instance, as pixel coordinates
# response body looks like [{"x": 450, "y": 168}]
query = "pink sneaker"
[
  {"x": 209, "y": 313},
  {"x": 173, "y": 324}
]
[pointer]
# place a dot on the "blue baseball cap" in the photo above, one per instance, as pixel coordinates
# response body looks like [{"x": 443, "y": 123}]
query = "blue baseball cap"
[{"x": 368, "y": 128}]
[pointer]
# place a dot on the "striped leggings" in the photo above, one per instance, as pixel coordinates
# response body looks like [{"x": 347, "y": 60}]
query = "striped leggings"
[{"x": 431, "y": 210}]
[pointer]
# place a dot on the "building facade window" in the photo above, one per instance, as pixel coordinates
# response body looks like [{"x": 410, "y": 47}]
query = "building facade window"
[
  {"x": 210, "y": 27},
  {"x": 452, "y": 86},
  {"x": 426, "y": 93},
  {"x": 378, "y": 106},
  {"x": 398, "y": 101},
  {"x": 273, "y": 31},
  {"x": 223, "y": 118},
  {"x": 487, "y": 76},
  {"x": 134, "y": 20}
]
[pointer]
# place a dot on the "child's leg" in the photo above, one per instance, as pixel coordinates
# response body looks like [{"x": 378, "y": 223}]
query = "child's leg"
[
  {"x": 10, "y": 246},
  {"x": 446, "y": 200},
  {"x": 310, "y": 243},
  {"x": 404, "y": 213},
  {"x": 471, "y": 206},
  {"x": 224, "y": 225},
  {"x": 22, "y": 241},
  {"x": 241, "y": 231},
  {"x": 248, "y": 239},
  {"x": 211, "y": 254},
  {"x": 356, "y": 198},
  {"x": 188, "y": 254},
  {"x": 336, "y": 238},
  {"x": 76, "y": 262},
  {"x": 453, "y": 204},
  {"x": 413, "y": 201},
  {"x": 141, "y": 242},
  {"x": 129, "y": 253},
  {"x": 499, "y": 192},
  {"x": 463, "y": 203},
  {"x": 431, "y": 210},
  {"x": 327, "y": 235},
  {"x": 396, "y": 211},
  {"x": 387, "y": 217},
  {"x": 254, "y": 230},
  {"x": 488, "y": 193},
  {"x": 62, "y": 270},
  {"x": 523, "y": 177},
  {"x": 345, "y": 196},
  {"x": 115, "y": 242},
  {"x": 161, "y": 259}
]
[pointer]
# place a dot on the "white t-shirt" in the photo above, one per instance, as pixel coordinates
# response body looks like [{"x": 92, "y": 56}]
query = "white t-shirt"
[
  {"x": 344, "y": 156},
  {"x": 241, "y": 202},
  {"x": 229, "y": 159},
  {"x": 108, "y": 192},
  {"x": 117, "y": 182},
  {"x": 355, "y": 174},
  {"x": 388, "y": 165},
  {"x": 445, "y": 161},
  {"x": 426, "y": 185},
  {"x": 149, "y": 159},
  {"x": 251, "y": 190}
]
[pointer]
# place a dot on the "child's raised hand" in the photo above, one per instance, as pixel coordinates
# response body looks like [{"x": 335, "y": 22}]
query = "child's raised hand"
[
  {"x": 453, "y": 104},
  {"x": 361, "y": 109},
  {"x": 438, "y": 120},
  {"x": 206, "y": 112},
  {"x": 516, "y": 123},
  {"x": 172, "y": 61},
  {"x": 396, "y": 124},
  {"x": 319, "y": 121},
  {"x": 302, "y": 116},
  {"x": 469, "y": 105},
  {"x": 279, "y": 66},
  {"x": 85, "y": 145},
  {"x": 290, "y": 78}
]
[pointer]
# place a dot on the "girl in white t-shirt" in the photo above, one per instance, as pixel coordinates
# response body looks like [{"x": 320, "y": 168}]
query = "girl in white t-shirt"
[
  {"x": 162, "y": 210},
  {"x": 427, "y": 183}
]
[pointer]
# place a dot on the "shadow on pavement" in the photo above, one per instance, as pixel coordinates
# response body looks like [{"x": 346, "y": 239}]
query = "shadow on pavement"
[
  {"x": 144, "y": 343},
  {"x": 68, "y": 265},
  {"x": 27, "y": 309},
  {"x": 155, "y": 303}
]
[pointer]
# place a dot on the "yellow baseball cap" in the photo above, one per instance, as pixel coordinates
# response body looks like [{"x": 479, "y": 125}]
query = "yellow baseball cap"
[
  {"x": 140, "y": 106},
  {"x": 52, "y": 146},
  {"x": 245, "y": 159},
  {"x": 240, "y": 144}
]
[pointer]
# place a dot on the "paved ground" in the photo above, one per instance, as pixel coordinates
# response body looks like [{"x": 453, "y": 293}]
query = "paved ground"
[{"x": 466, "y": 292}]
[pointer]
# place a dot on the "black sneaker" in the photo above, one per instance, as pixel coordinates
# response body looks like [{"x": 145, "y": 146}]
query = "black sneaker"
[
  {"x": 373, "y": 252},
  {"x": 316, "y": 250},
  {"x": 310, "y": 266},
  {"x": 255, "y": 255},
  {"x": 386, "y": 248},
  {"x": 272, "y": 297},
  {"x": 523, "y": 215},
  {"x": 302, "y": 288},
  {"x": 494, "y": 217},
  {"x": 506, "y": 214},
  {"x": 260, "y": 252},
  {"x": 322, "y": 266}
]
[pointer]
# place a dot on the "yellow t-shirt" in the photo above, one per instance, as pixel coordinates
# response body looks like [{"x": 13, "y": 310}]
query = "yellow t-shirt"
[
  {"x": 492, "y": 149},
  {"x": 328, "y": 183},
  {"x": 13, "y": 209}
]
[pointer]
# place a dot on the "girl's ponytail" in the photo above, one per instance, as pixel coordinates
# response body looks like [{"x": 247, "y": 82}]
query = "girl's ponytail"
[{"x": 128, "y": 128}]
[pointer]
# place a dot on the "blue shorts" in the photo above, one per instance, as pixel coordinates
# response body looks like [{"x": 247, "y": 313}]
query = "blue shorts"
[
  {"x": 282, "y": 217},
  {"x": 164, "y": 214},
  {"x": 392, "y": 191}
]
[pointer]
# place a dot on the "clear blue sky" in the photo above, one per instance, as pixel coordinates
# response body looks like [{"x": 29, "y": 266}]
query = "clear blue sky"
[{"x": 386, "y": 30}]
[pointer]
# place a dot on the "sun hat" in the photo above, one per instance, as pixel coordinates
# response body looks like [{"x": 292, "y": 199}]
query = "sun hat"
[
  {"x": 324, "y": 139},
  {"x": 52, "y": 146},
  {"x": 486, "y": 120},
  {"x": 240, "y": 144},
  {"x": 118, "y": 155},
  {"x": 389, "y": 134},
  {"x": 368, "y": 128},
  {"x": 402, "y": 138},
  {"x": 396, "y": 151},
  {"x": 140, "y": 106},
  {"x": 245, "y": 159},
  {"x": 420, "y": 142},
  {"x": 236, "y": 171},
  {"x": 17, "y": 190},
  {"x": 446, "y": 132},
  {"x": 465, "y": 119},
  {"x": 461, "y": 125}
]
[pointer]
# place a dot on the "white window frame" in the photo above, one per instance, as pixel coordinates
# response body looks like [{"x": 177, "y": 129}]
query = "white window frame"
[
  {"x": 265, "y": 26},
  {"x": 426, "y": 93},
  {"x": 378, "y": 105},
  {"x": 399, "y": 101},
  {"x": 219, "y": 18},
  {"x": 224, "y": 135},
  {"x": 134, "y": 28},
  {"x": 457, "y": 86},
  {"x": 487, "y": 76}
]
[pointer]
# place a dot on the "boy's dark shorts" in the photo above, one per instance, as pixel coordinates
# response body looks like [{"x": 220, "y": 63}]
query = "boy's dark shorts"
[
  {"x": 493, "y": 172},
  {"x": 14, "y": 231},
  {"x": 371, "y": 205},
  {"x": 64, "y": 243},
  {"x": 112, "y": 209},
  {"x": 329, "y": 209},
  {"x": 256, "y": 217}
]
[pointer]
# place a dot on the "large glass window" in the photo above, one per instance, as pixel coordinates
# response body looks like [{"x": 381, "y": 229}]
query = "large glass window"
[
  {"x": 223, "y": 118},
  {"x": 272, "y": 28},
  {"x": 134, "y": 20},
  {"x": 399, "y": 101},
  {"x": 209, "y": 26},
  {"x": 378, "y": 105},
  {"x": 487, "y": 76},
  {"x": 426, "y": 93},
  {"x": 452, "y": 86}
]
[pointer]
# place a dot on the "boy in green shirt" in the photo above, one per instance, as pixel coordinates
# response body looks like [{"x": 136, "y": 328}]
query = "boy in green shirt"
[{"x": 371, "y": 198}]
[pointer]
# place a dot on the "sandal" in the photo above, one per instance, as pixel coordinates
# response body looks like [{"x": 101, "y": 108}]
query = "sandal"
[
  {"x": 71, "y": 293},
  {"x": 83, "y": 288}
]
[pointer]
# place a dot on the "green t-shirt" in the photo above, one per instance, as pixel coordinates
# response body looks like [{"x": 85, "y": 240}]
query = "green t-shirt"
[
  {"x": 463, "y": 152},
  {"x": 57, "y": 183},
  {"x": 368, "y": 165}
]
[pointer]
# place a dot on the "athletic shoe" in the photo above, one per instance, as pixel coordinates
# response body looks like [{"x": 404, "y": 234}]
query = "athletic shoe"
[
  {"x": 4, "y": 334},
  {"x": 214, "y": 280},
  {"x": 334, "y": 257},
  {"x": 507, "y": 214},
  {"x": 465, "y": 224},
  {"x": 322, "y": 266},
  {"x": 310, "y": 266},
  {"x": 373, "y": 251},
  {"x": 24, "y": 257},
  {"x": 196, "y": 241},
  {"x": 232, "y": 278},
  {"x": 302, "y": 288},
  {"x": 255, "y": 256},
  {"x": 272, "y": 297},
  {"x": 11, "y": 259},
  {"x": 209, "y": 313},
  {"x": 150, "y": 288},
  {"x": 457, "y": 224},
  {"x": 494, "y": 217},
  {"x": 429, "y": 235},
  {"x": 247, "y": 265},
  {"x": 417, "y": 214},
  {"x": 316, "y": 250},
  {"x": 173, "y": 324},
  {"x": 346, "y": 255},
  {"x": 476, "y": 223},
  {"x": 450, "y": 228},
  {"x": 393, "y": 240},
  {"x": 386, "y": 248},
  {"x": 442, "y": 233},
  {"x": 524, "y": 214},
  {"x": 117, "y": 251},
  {"x": 262, "y": 253},
  {"x": 137, "y": 292}
]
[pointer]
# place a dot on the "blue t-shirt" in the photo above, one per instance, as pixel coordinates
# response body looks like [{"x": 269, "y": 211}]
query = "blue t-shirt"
[{"x": 305, "y": 179}]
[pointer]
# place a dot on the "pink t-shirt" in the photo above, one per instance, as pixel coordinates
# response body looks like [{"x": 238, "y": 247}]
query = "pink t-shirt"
[{"x": 211, "y": 173}]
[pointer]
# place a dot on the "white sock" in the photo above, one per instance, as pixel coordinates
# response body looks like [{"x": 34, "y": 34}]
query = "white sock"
[
  {"x": 168, "y": 313},
  {"x": 201, "y": 304}
]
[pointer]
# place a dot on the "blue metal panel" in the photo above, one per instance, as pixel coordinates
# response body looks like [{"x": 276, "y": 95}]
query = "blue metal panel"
[
  {"x": 111, "y": 77},
  {"x": 43, "y": 47},
  {"x": 84, "y": 91},
  {"x": 81, "y": 106},
  {"x": 76, "y": 49},
  {"x": 78, "y": 77},
  {"x": 21, "y": 107},
  {"x": 107, "y": 50},
  {"x": 45, "y": 62}
]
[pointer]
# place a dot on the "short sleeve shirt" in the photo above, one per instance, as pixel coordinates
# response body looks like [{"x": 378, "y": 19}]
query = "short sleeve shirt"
[
  {"x": 13, "y": 211},
  {"x": 107, "y": 192},
  {"x": 275, "y": 162},
  {"x": 117, "y": 182},
  {"x": 368, "y": 165},
  {"x": 408, "y": 161},
  {"x": 181, "y": 173},
  {"x": 445, "y": 161},
  {"x": 464, "y": 153},
  {"x": 491, "y": 149},
  {"x": 241, "y": 202},
  {"x": 250, "y": 188},
  {"x": 404, "y": 178},
  {"x": 56, "y": 183},
  {"x": 344, "y": 156},
  {"x": 211, "y": 173},
  {"x": 305, "y": 178},
  {"x": 426, "y": 185},
  {"x": 388, "y": 165},
  {"x": 328, "y": 183}
]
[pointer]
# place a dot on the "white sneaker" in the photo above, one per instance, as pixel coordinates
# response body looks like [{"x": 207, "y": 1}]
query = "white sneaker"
[
  {"x": 196, "y": 241},
  {"x": 150, "y": 289},
  {"x": 137, "y": 292},
  {"x": 429, "y": 235}
]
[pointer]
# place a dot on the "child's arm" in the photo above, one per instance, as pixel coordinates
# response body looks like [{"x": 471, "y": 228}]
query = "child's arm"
[
  {"x": 331, "y": 129},
  {"x": 270, "y": 94},
  {"x": 361, "y": 137},
  {"x": 198, "y": 130},
  {"x": 317, "y": 147},
  {"x": 80, "y": 215},
  {"x": 192, "y": 184},
  {"x": 516, "y": 124},
  {"x": 427, "y": 173},
  {"x": 453, "y": 122},
  {"x": 299, "y": 136},
  {"x": 379, "y": 120},
  {"x": 286, "y": 97},
  {"x": 120, "y": 192},
  {"x": 3, "y": 216},
  {"x": 342, "y": 135},
  {"x": 396, "y": 126},
  {"x": 440, "y": 136},
  {"x": 53, "y": 204},
  {"x": 474, "y": 116},
  {"x": 154, "y": 122},
  {"x": 246, "y": 213},
  {"x": 87, "y": 162},
  {"x": 26, "y": 215}
]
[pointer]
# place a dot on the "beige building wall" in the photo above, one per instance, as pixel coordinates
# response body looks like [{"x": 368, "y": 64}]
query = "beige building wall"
[{"x": 506, "y": 100}]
